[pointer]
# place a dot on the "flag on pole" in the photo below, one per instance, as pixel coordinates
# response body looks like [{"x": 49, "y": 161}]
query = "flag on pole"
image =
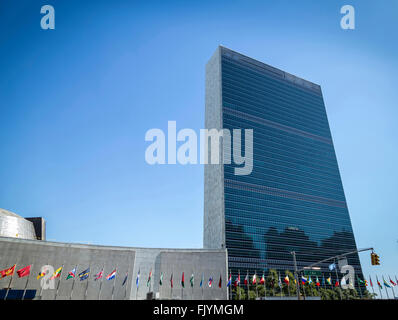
[
  {"x": 57, "y": 273},
  {"x": 148, "y": 282},
  {"x": 7, "y": 272},
  {"x": 237, "y": 280},
  {"x": 343, "y": 281},
  {"x": 309, "y": 280},
  {"x": 210, "y": 282},
  {"x": 323, "y": 280},
  {"x": 229, "y": 280},
  {"x": 161, "y": 279},
  {"x": 137, "y": 280},
  {"x": 362, "y": 281},
  {"x": 99, "y": 275},
  {"x": 125, "y": 279},
  {"x": 378, "y": 283},
  {"x": 332, "y": 266},
  {"x": 41, "y": 274},
  {"x": 286, "y": 280},
  {"x": 254, "y": 279},
  {"x": 192, "y": 280},
  {"x": 246, "y": 279},
  {"x": 202, "y": 280},
  {"x": 24, "y": 271},
  {"x": 386, "y": 283},
  {"x": 71, "y": 274},
  {"x": 370, "y": 280},
  {"x": 220, "y": 282},
  {"x": 84, "y": 275},
  {"x": 329, "y": 280},
  {"x": 262, "y": 280},
  {"x": 337, "y": 283},
  {"x": 171, "y": 280},
  {"x": 182, "y": 280},
  {"x": 392, "y": 282},
  {"x": 318, "y": 284},
  {"x": 279, "y": 281},
  {"x": 112, "y": 275},
  {"x": 303, "y": 280}
]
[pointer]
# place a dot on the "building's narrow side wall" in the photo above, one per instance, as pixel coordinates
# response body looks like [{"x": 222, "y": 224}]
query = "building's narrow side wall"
[{"x": 214, "y": 224}]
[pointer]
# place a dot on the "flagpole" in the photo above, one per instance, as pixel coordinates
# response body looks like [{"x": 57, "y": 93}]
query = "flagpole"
[
  {"x": 385, "y": 287},
  {"x": 265, "y": 288},
  {"x": 272, "y": 284},
  {"x": 337, "y": 278},
  {"x": 73, "y": 283},
  {"x": 371, "y": 283},
  {"x": 125, "y": 289},
  {"x": 41, "y": 289},
  {"x": 114, "y": 282},
  {"x": 377, "y": 279},
  {"x": 280, "y": 284},
  {"x": 182, "y": 289},
  {"x": 239, "y": 283},
  {"x": 85, "y": 293},
  {"x": 137, "y": 283},
  {"x": 202, "y": 280},
  {"x": 56, "y": 292},
  {"x": 256, "y": 284},
  {"x": 304, "y": 290},
  {"x": 171, "y": 286},
  {"x": 229, "y": 292},
  {"x": 396, "y": 281},
  {"x": 9, "y": 284},
  {"x": 193, "y": 279},
  {"x": 102, "y": 280},
  {"x": 247, "y": 284},
  {"x": 26, "y": 285},
  {"x": 392, "y": 287}
]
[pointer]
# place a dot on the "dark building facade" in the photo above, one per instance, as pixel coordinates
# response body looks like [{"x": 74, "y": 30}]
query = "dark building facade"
[{"x": 293, "y": 199}]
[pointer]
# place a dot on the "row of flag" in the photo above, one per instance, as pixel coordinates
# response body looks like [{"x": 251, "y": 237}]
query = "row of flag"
[
  {"x": 23, "y": 272},
  {"x": 191, "y": 280}
]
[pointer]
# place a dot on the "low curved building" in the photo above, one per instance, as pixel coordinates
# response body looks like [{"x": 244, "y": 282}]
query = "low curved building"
[{"x": 14, "y": 226}]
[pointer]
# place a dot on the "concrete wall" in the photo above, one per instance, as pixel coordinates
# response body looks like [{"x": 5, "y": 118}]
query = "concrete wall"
[
  {"x": 125, "y": 259},
  {"x": 210, "y": 263}
]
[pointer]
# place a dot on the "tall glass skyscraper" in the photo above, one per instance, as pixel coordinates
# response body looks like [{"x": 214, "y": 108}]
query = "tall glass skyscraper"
[{"x": 293, "y": 199}]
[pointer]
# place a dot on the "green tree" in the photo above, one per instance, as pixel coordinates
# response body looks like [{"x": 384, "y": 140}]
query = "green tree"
[
  {"x": 289, "y": 289},
  {"x": 239, "y": 293},
  {"x": 252, "y": 295}
]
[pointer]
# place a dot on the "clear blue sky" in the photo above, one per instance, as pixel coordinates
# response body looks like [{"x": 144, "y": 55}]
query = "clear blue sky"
[{"x": 76, "y": 102}]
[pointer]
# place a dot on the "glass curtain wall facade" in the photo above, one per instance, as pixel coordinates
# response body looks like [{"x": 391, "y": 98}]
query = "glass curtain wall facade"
[{"x": 293, "y": 199}]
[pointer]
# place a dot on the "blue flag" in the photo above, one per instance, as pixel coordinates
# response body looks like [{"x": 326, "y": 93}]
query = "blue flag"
[
  {"x": 84, "y": 275},
  {"x": 137, "y": 281}
]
